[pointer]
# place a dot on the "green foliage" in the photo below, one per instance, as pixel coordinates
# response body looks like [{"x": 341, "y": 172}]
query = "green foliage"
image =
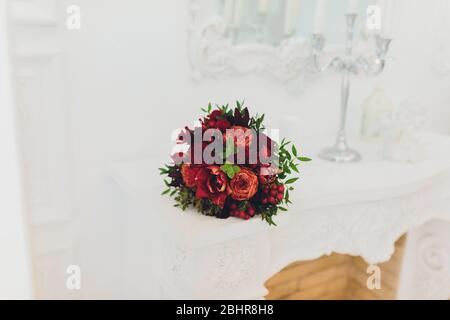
[
  {"x": 185, "y": 197},
  {"x": 208, "y": 109},
  {"x": 270, "y": 212},
  {"x": 288, "y": 160},
  {"x": 256, "y": 123},
  {"x": 230, "y": 169},
  {"x": 206, "y": 207}
]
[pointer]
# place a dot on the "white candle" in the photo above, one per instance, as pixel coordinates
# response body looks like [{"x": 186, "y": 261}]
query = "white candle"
[
  {"x": 237, "y": 13},
  {"x": 289, "y": 17},
  {"x": 228, "y": 11},
  {"x": 263, "y": 6},
  {"x": 352, "y": 6},
  {"x": 320, "y": 16},
  {"x": 295, "y": 13}
]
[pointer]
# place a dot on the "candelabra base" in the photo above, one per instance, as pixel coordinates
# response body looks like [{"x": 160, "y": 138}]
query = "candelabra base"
[{"x": 336, "y": 154}]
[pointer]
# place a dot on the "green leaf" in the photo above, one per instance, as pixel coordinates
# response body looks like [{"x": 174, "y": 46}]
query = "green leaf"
[
  {"x": 284, "y": 143},
  {"x": 282, "y": 209},
  {"x": 294, "y": 150},
  {"x": 291, "y": 180},
  {"x": 304, "y": 159},
  {"x": 243, "y": 206},
  {"x": 163, "y": 171},
  {"x": 286, "y": 169},
  {"x": 230, "y": 169},
  {"x": 293, "y": 167},
  {"x": 165, "y": 192}
]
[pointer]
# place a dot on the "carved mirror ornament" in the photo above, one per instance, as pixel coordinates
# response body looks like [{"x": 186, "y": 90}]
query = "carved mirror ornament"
[{"x": 268, "y": 38}]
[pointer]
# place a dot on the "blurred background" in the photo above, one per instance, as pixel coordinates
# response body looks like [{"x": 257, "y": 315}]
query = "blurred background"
[{"x": 101, "y": 88}]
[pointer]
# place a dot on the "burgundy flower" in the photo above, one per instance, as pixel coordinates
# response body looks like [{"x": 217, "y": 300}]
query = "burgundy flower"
[
  {"x": 189, "y": 173},
  {"x": 222, "y": 125},
  {"x": 212, "y": 184},
  {"x": 216, "y": 114},
  {"x": 217, "y": 120}
]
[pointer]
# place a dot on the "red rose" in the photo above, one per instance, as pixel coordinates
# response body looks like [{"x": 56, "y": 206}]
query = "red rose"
[
  {"x": 222, "y": 125},
  {"x": 216, "y": 120},
  {"x": 215, "y": 114},
  {"x": 212, "y": 184},
  {"x": 189, "y": 172},
  {"x": 244, "y": 185}
]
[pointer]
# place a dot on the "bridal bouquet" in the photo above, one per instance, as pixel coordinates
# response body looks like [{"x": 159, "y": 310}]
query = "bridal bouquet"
[{"x": 230, "y": 165}]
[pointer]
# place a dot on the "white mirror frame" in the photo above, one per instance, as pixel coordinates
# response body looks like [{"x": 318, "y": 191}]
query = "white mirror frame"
[{"x": 213, "y": 55}]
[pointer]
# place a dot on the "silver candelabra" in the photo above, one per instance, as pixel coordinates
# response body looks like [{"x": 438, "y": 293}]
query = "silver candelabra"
[{"x": 348, "y": 65}]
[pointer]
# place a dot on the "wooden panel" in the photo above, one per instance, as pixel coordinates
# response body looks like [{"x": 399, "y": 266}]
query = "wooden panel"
[
  {"x": 335, "y": 277},
  {"x": 301, "y": 269}
]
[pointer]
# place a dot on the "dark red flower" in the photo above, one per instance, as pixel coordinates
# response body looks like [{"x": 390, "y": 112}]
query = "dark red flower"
[
  {"x": 222, "y": 125},
  {"x": 217, "y": 120},
  {"x": 216, "y": 114},
  {"x": 212, "y": 184},
  {"x": 189, "y": 173}
]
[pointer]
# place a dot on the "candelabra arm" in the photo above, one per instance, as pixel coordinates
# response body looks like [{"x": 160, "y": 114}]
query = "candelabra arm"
[
  {"x": 375, "y": 68},
  {"x": 363, "y": 63},
  {"x": 371, "y": 69},
  {"x": 336, "y": 62},
  {"x": 380, "y": 63}
]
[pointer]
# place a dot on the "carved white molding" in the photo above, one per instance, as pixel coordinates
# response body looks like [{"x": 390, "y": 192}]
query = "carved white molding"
[
  {"x": 369, "y": 230},
  {"x": 426, "y": 268},
  {"x": 229, "y": 269},
  {"x": 360, "y": 210},
  {"x": 212, "y": 54}
]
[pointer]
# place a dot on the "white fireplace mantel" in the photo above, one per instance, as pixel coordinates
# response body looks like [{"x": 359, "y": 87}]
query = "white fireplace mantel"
[{"x": 358, "y": 209}]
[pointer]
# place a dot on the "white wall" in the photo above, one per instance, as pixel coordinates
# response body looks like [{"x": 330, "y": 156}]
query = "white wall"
[{"x": 129, "y": 86}]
